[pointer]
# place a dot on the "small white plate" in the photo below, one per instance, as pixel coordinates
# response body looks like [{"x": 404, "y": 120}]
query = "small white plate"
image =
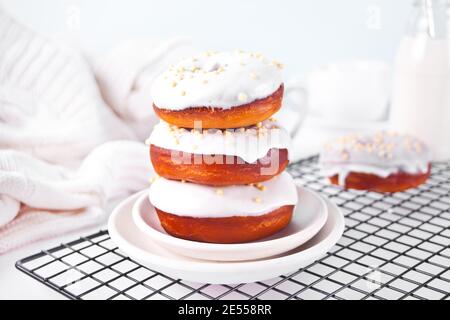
[
  {"x": 309, "y": 217},
  {"x": 133, "y": 242}
]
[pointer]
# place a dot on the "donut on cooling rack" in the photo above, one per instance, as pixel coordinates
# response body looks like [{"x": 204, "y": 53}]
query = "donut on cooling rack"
[
  {"x": 382, "y": 162},
  {"x": 219, "y": 157},
  {"x": 232, "y": 214},
  {"x": 219, "y": 90}
]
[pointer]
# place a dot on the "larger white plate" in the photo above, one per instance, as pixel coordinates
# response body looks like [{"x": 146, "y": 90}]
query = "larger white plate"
[
  {"x": 135, "y": 243},
  {"x": 309, "y": 217}
]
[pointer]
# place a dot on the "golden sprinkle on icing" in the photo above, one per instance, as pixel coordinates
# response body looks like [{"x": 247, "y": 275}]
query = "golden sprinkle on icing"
[
  {"x": 253, "y": 76},
  {"x": 345, "y": 155},
  {"x": 260, "y": 186},
  {"x": 257, "y": 199},
  {"x": 417, "y": 147},
  {"x": 219, "y": 192},
  {"x": 242, "y": 97},
  {"x": 277, "y": 64}
]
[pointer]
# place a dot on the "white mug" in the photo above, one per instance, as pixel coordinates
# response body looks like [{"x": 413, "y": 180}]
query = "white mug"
[
  {"x": 294, "y": 109},
  {"x": 350, "y": 91}
]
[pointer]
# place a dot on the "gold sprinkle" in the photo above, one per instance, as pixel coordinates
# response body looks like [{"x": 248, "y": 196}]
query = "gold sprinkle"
[
  {"x": 417, "y": 147},
  {"x": 183, "y": 93},
  {"x": 345, "y": 155},
  {"x": 257, "y": 199},
  {"x": 260, "y": 187},
  {"x": 183, "y": 181},
  {"x": 390, "y": 146},
  {"x": 259, "y": 124},
  {"x": 277, "y": 64},
  {"x": 173, "y": 84},
  {"x": 242, "y": 97},
  {"x": 272, "y": 119},
  {"x": 219, "y": 192}
]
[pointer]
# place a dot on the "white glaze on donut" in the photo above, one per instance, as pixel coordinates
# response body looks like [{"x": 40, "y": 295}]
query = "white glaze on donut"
[
  {"x": 194, "y": 200},
  {"x": 250, "y": 144},
  {"x": 220, "y": 80},
  {"x": 381, "y": 154}
]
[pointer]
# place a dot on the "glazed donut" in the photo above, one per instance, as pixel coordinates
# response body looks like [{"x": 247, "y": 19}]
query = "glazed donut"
[
  {"x": 219, "y": 90},
  {"x": 217, "y": 157},
  {"x": 233, "y": 214},
  {"x": 382, "y": 162}
]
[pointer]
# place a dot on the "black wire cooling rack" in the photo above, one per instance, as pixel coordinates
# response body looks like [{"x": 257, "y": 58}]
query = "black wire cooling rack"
[{"x": 395, "y": 246}]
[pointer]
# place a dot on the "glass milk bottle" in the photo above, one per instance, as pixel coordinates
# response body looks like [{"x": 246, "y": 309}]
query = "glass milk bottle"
[{"x": 421, "y": 88}]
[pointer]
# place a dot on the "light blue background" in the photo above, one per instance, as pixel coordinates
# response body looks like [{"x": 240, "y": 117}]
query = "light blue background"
[{"x": 302, "y": 34}]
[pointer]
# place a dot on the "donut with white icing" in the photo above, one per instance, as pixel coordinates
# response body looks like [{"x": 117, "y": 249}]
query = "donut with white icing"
[
  {"x": 220, "y": 157},
  {"x": 232, "y": 214},
  {"x": 382, "y": 162},
  {"x": 219, "y": 90}
]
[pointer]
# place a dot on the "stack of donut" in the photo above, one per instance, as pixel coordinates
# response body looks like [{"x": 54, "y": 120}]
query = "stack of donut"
[{"x": 218, "y": 152}]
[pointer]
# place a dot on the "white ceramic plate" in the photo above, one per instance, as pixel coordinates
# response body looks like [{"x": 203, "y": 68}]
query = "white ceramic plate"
[
  {"x": 135, "y": 243},
  {"x": 309, "y": 217}
]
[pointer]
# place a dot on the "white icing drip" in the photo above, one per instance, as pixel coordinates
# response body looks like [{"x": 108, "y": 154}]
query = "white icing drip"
[
  {"x": 194, "y": 200},
  {"x": 250, "y": 144},
  {"x": 381, "y": 154},
  {"x": 222, "y": 80}
]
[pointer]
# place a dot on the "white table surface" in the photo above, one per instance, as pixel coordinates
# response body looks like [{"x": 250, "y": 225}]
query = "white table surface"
[{"x": 15, "y": 284}]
